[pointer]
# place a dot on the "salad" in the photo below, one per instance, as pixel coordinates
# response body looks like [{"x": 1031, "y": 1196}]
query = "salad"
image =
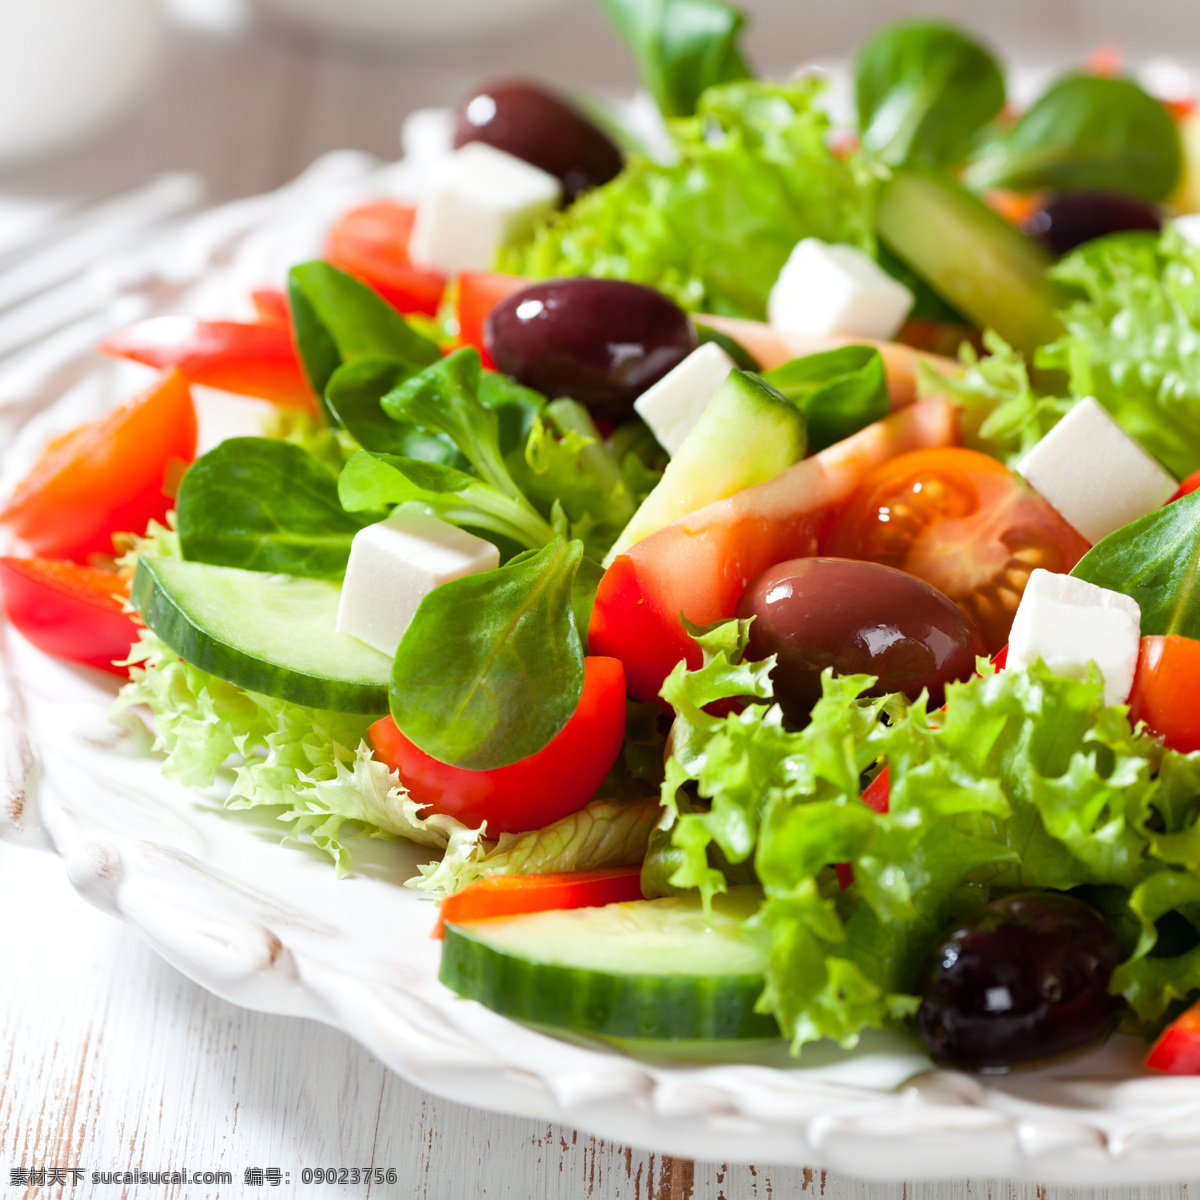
[{"x": 763, "y": 571}]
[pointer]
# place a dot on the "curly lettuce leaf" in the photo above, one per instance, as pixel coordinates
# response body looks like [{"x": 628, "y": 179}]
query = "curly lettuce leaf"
[
  {"x": 712, "y": 230},
  {"x": 1133, "y": 338},
  {"x": 1024, "y": 780}
]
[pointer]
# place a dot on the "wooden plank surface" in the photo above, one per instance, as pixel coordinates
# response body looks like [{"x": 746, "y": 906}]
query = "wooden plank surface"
[{"x": 111, "y": 1059}]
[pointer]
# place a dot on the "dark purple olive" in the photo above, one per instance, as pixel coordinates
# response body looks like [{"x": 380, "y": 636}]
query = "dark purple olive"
[
  {"x": 600, "y": 341},
  {"x": 860, "y": 618},
  {"x": 529, "y": 122},
  {"x": 1022, "y": 981},
  {"x": 1072, "y": 218}
]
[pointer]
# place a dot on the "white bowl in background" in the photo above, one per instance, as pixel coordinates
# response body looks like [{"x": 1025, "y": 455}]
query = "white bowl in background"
[{"x": 400, "y": 19}]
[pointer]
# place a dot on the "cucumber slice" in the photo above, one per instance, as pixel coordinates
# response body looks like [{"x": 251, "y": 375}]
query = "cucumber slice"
[
  {"x": 273, "y": 634},
  {"x": 748, "y": 434},
  {"x": 642, "y": 969},
  {"x": 984, "y": 267}
]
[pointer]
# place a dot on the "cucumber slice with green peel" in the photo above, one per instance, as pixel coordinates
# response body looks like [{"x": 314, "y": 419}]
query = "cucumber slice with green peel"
[
  {"x": 748, "y": 434},
  {"x": 971, "y": 256},
  {"x": 272, "y": 634},
  {"x": 642, "y": 969}
]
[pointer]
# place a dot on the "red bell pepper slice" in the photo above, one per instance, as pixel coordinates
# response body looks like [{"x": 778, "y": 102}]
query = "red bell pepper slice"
[
  {"x": 251, "y": 360},
  {"x": 1177, "y": 1051},
  {"x": 1166, "y": 686},
  {"x": 508, "y": 895},
  {"x": 553, "y": 783},
  {"x": 371, "y": 243},
  {"x": 109, "y": 476},
  {"x": 69, "y": 610},
  {"x": 478, "y": 293}
]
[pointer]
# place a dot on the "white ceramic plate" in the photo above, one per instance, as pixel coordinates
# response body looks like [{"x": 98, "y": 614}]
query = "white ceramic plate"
[{"x": 267, "y": 925}]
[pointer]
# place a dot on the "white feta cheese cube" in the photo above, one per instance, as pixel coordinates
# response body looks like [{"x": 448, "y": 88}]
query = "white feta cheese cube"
[
  {"x": 1094, "y": 473},
  {"x": 394, "y": 565},
  {"x": 477, "y": 200},
  {"x": 673, "y": 405},
  {"x": 1067, "y": 623},
  {"x": 835, "y": 289},
  {"x": 1188, "y": 227}
]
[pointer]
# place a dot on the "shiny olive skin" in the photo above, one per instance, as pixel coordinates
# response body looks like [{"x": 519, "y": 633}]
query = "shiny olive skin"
[
  {"x": 1071, "y": 218},
  {"x": 860, "y": 618},
  {"x": 1022, "y": 981},
  {"x": 532, "y": 123},
  {"x": 602, "y": 342}
]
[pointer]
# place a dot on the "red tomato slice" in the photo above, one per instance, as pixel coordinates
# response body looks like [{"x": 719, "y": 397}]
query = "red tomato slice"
[
  {"x": 963, "y": 522},
  {"x": 553, "y": 783},
  {"x": 371, "y": 243},
  {"x": 68, "y": 610},
  {"x": 251, "y": 360},
  {"x": 478, "y": 293},
  {"x": 1177, "y": 1051},
  {"x": 107, "y": 476},
  {"x": 1165, "y": 690},
  {"x": 699, "y": 565},
  {"x": 271, "y": 307},
  {"x": 1187, "y": 487},
  {"x": 508, "y": 895}
]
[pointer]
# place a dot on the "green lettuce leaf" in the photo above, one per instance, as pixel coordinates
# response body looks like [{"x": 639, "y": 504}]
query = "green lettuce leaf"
[
  {"x": 1133, "y": 339},
  {"x": 754, "y": 176}
]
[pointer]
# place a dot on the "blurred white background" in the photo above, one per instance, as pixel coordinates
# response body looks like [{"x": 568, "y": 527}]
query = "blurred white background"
[{"x": 248, "y": 100}]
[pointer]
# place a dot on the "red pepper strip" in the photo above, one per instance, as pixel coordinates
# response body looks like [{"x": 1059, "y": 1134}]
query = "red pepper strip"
[
  {"x": 1177, "y": 1051},
  {"x": 251, "y": 360},
  {"x": 507, "y": 895},
  {"x": 69, "y": 610}
]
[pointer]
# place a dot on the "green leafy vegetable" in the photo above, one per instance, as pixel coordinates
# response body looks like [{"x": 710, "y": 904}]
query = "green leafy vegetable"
[
  {"x": 264, "y": 505},
  {"x": 841, "y": 391},
  {"x": 682, "y": 47},
  {"x": 1024, "y": 780},
  {"x": 337, "y": 319},
  {"x": 1156, "y": 560},
  {"x": 313, "y": 767},
  {"x": 713, "y": 230},
  {"x": 1086, "y": 132},
  {"x": 924, "y": 89},
  {"x": 491, "y": 667},
  {"x": 1132, "y": 339},
  {"x": 1001, "y": 412}
]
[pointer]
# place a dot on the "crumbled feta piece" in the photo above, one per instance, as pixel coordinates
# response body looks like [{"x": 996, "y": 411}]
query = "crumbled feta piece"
[
  {"x": 1188, "y": 227},
  {"x": 673, "y": 405},
  {"x": 1067, "y": 623},
  {"x": 836, "y": 289},
  {"x": 1094, "y": 473},
  {"x": 394, "y": 565},
  {"x": 477, "y": 200}
]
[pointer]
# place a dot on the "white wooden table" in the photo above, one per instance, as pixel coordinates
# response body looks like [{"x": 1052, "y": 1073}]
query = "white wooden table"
[{"x": 111, "y": 1059}]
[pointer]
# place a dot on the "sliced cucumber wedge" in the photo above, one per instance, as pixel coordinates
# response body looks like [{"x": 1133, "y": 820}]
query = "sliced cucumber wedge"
[
  {"x": 273, "y": 634},
  {"x": 643, "y": 969}
]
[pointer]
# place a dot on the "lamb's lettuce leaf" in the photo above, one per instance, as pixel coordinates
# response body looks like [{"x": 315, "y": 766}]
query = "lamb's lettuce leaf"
[{"x": 713, "y": 230}]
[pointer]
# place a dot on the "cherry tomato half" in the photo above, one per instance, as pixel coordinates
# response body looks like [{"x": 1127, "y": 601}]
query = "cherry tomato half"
[
  {"x": 69, "y": 610},
  {"x": 1165, "y": 690},
  {"x": 1177, "y": 1050},
  {"x": 553, "y": 783},
  {"x": 371, "y": 243},
  {"x": 962, "y": 521},
  {"x": 107, "y": 476}
]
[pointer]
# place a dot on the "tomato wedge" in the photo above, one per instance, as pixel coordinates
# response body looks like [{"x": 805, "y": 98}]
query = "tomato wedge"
[
  {"x": 1177, "y": 1051},
  {"x": 1166, "y": 688},
  {"x": 251, "y": 360},
  {"x": 963, "y": 522},
  {"x": 271, "y": 308},
  {"x": 699, "y": 565},
  {"x": 371, "y": 243},
  {"x": 553, "y": 783},
  {"x": 508, "y": 895},
  {"x": 108, "y": 476},
  {"x": 478, "y": 293},
  {"x": 1187, "y": 487},
  {"x": 69, "y": 610}
]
